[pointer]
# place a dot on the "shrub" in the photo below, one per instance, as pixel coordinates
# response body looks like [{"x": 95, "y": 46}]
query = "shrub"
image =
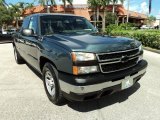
[
  {"x": 125, "y": 26},
  {"x": 149, "y": 38}
]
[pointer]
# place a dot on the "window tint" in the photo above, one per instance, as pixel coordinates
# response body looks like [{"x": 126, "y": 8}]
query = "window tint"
[
  {"x": 64, "y": 24},
  {"x": 25, "y": 23},
  {"x": 33, "y": 24}
]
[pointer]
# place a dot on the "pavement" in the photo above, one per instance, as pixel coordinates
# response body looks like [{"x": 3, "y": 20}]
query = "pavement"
[{"x": 22, "y": 96}]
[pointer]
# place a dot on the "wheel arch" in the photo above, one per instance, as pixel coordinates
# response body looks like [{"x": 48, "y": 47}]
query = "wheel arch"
[{"x": 43, "y": 60}]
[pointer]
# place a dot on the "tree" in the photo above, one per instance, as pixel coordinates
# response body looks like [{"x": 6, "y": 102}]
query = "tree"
[
  {"x": 5, "y": 18},
  {"x": 12, "y": 12},
  {"x": 16, "y": 10},
  {"x": 151, "y": 19},
  {"x": 64, "y": 3},
  {"x": 29, "y": 5},
  {"x": 110, "y": 18},
  {"x": 95, "y": 4},
  {"x": 115, "y": 2},
  {"x": 150, "y": 6},
  {"x": 104, "y": 3},
  {"x": 46, "y": 3},
  {"x": 3, "y": 3}
]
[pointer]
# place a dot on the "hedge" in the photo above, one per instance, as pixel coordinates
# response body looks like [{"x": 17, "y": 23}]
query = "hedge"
[{"x": 149, "y": 38}]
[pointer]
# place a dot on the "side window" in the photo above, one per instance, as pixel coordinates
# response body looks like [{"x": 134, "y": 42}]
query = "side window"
[
  {"x": 33, "y": 24},
  {"x": 25, "y": 24}
]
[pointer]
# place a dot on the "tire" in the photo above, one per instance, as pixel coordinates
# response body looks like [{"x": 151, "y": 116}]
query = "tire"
[
  {"x": 17, "y": 56},
  {"x": 51, "y": 84}
]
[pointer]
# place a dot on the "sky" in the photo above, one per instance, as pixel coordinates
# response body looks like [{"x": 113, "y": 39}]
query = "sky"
[{"x": 135, "y": 5}]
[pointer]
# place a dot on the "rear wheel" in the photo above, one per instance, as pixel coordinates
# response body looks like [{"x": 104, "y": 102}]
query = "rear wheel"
[
  {"x": 18, "y": 58},
  {"x": 51, "y": 84}
]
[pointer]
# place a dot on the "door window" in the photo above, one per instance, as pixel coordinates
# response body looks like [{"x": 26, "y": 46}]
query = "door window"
[{"x": 33, "y": 24}]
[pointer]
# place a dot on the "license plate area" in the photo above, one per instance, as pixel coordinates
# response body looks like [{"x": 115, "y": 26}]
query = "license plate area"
[{"x": 127, "y": 83}]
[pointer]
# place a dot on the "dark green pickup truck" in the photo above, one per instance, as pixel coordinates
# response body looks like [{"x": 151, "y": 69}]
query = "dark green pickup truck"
[{"x": 77, "y": 62}]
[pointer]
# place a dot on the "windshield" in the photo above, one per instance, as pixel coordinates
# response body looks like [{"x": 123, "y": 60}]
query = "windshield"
[{"x": 61, "y": 24}]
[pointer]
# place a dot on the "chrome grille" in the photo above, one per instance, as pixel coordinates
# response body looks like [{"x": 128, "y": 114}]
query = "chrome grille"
[
  {"x": 112, "y": 62},
  {"x": 117, "y": 55}
]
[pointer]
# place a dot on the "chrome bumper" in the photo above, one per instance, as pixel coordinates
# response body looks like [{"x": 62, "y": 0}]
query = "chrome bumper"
[{"x": 68, "y": 88}]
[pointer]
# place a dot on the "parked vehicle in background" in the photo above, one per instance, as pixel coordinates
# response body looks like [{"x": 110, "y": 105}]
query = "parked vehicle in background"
[
  {"x": 147, "y": 27},
  {"x": 6, "y": 35},
  {"x": 11, "y": 31},
  {"x": 3, "y": 31},
  {"x": 76, "y": 61}
]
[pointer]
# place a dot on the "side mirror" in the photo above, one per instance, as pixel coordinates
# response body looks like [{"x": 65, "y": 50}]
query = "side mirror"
[{"x": 28, "y": 32}]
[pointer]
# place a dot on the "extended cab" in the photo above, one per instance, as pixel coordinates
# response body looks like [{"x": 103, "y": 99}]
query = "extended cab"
[{"x": 76, "y": 61}]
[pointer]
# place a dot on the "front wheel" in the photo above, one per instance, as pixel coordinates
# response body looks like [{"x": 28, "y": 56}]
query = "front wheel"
[
  {"x": 18, "y": 58},
  {"x": 51, "y": 84}
]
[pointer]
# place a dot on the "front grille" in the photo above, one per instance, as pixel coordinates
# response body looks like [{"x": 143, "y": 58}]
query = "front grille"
[
  {"x": 114, "y": 61},
  {"x": 117, "y": 55},
  {"x": 113, "y": 67}
]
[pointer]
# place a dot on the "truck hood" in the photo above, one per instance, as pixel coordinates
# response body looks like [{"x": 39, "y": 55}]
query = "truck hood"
[{"x": 94, "y": 42}]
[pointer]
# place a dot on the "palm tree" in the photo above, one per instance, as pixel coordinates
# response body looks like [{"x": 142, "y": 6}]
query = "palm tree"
[
  {"x": 150, "y": 6},
  {"x": 64, "y": 3},
  {"x": 29, "y": 5},
  {"x": 104, "y": 3},
  {"x": 16, "y": 11},
  {"x": 95, "y": 5},
  {"x": 115, "y": 2},
  {"x": 3, "y": 3},
  {"x": 46, "y": 3}
]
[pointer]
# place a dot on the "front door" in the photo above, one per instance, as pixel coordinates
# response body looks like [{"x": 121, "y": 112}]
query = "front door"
[{"x": 31, "y": 43}]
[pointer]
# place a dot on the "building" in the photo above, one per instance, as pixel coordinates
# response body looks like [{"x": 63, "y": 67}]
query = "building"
[{"x": 89, "y": 13}]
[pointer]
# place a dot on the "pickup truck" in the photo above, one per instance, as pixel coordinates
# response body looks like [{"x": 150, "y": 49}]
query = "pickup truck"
[{"x": 76, "y": 61}]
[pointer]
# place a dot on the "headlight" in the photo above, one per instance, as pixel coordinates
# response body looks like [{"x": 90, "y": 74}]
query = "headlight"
[
  {"x": 140, "y": 48},
  {"x": 141, "y": 53},
  {"x": 80, "y": 56},
  {"x": 140, "y": 57},
  {"x": 84, "y": 70}
]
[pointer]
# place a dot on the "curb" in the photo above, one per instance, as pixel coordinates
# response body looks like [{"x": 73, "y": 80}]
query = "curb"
[
  {"x": 152, "y": 50},
  {"x": 4, "y": 42}
]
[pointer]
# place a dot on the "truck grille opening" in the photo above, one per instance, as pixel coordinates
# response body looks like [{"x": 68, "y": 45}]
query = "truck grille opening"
[
  {"x": 117, "y": 55},
  {"x": 118, "y": 66},
  {"x": 116, "y": 61}
]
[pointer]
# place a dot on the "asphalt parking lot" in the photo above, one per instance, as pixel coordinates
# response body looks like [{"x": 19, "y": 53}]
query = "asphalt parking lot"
[{"x": 22, "y": 96}]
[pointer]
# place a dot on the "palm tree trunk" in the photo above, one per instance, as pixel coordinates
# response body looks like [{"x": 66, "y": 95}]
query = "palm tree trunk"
[
  {"x": 104, "y": 21},
  {"x": 64, "y": 6},
  {"x": 95, "y": 17},
  {"x": 113, "y": 11},
  {"x": 97, "y": 14},
  {"x": 17, "y": 26},
  {"x": 48, "y": 11}
]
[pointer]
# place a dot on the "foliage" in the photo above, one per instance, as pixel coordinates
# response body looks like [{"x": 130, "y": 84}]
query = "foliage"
[
  {"x": 45, "y": 2},
  {"x": 64, "y": 3},
  {"x": 149, "y": 38},
  {"x": 93, "y": 3},
  {"x": 151, "y": 19},
  {"x": 5, "y": 16},
  {"x": 125, "y": 26},
  {"x": 116, "y": 2},
  {"x": 110, "y": 18},
  {"x": 12, "y": 12},
  {"x": 3, "y": 3}
]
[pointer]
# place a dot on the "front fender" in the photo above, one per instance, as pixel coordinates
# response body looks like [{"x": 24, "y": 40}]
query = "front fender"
[{"x": 59, "y": 56}]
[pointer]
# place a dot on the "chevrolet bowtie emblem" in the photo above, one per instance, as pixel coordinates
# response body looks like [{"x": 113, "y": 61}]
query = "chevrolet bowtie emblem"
[{"x": 124, "y": 59}]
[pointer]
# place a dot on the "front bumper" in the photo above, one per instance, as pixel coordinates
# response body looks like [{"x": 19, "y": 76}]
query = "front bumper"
[{"x": 80, "y": 87}]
